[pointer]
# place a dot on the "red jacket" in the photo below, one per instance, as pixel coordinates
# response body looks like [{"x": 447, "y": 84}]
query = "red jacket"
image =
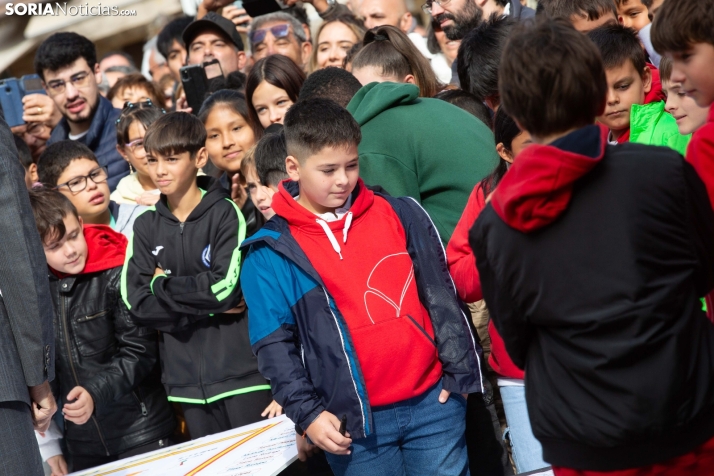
[
  {"x": 365, "y": 266},
  {"x": 700, "y": 154},
  {"x": 462, "y": 266}
]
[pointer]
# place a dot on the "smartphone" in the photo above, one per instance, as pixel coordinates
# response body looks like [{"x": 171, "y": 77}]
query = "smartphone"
[
  {"x": 255, "y": 8},
  {"x": 32, "y": 84},
  {"x": 197, "y": 80},
  {"x": 11, "y": 101},
  {"x": 12, "y": 90},
  {"x": 195, "y": 85},
  {"x": 238, "y": 4}
]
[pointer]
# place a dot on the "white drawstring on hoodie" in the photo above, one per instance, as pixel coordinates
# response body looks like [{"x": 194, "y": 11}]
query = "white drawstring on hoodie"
[{"x": 331, "y": 236}]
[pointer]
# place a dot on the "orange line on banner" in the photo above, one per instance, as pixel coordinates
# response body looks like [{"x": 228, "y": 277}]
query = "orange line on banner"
[{"x": 215, "y": 458}]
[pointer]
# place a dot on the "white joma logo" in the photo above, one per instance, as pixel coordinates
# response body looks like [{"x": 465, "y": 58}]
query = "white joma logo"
[{"x": 156, "y": 251}]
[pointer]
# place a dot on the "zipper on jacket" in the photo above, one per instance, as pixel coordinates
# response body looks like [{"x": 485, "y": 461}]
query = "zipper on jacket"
[
  {"x": 181, "y": 226},
  {"x": 344, "y": 349},
  {"x": 65, "y": 320},
  {"x": 144, "y": 411}
]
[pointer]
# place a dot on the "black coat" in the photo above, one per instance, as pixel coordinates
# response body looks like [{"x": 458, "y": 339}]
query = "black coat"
[
  {"x": 602, "y": 309},
  {"x": 101, "y": 349}
]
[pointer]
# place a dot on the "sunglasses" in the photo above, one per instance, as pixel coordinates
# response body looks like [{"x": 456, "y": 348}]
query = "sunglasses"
[
  {"x": 130, "y": 106},
  {"x": 278, "y": 31}
]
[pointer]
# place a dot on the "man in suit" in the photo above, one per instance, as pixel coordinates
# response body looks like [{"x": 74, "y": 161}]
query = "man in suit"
[{"x": 26, "y": 328}]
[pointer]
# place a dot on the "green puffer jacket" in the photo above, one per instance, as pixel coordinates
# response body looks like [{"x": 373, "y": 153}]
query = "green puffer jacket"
[{"x": 650, "y": 124}]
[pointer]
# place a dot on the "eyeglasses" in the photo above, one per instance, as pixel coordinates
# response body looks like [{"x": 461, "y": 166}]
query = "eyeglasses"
[
  {"x": 426, "y": 8},
  {"x": 77, "y": 184},
  {"x": 278, "y": 31},
  {"x": 79, "y": 80},
  {"x": 135, "y": 145}
]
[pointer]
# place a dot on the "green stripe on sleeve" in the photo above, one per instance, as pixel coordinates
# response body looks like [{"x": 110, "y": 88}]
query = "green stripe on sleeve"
[
  {"x": 240, "y": 391},
  {"x": 224, "y": 288}
]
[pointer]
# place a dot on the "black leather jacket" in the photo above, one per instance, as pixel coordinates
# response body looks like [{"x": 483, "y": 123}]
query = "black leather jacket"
[{"x": 101, "y": 349}]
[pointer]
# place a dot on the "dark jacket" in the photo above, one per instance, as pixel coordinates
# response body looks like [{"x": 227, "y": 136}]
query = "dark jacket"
[
  {"x": 206, "y": 354},
  {"x": 592, "y": 261},
  {"x": 26, "y": 334},
  {"x": 301, "y": 338},
  {"x": 101, "y": 139},
  {"x": 101, "y": 349}
]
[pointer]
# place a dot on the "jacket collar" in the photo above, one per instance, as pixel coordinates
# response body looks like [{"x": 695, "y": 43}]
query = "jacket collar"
[{"x": 100, "y": 121}]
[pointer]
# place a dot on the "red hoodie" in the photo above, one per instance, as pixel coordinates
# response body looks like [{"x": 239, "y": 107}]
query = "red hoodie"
[
  {"x": 363, "y": 261},
  {"x": 106, "y": 249},
  {"x": 462, "y": 266},
  {"x": 700, "y": 153},
  {"x": 538, "y": 186}
]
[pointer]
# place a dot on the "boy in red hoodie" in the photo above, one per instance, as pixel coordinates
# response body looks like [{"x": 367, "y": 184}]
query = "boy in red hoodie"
[
  {"x": 684, "y": 32},
  {"x": 353, "y": 316},
  {"x": 592, "y": 258},
  {"x": 108, "y": 369}
]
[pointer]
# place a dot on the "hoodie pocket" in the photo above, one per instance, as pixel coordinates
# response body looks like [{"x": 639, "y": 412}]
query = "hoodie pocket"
[{"x": 397, "y": 357}]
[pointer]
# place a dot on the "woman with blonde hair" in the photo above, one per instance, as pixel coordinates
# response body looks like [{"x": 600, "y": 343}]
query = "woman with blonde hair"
[
  {"x": 334, "y": 40},
  {"x": 389, "y": 55}
]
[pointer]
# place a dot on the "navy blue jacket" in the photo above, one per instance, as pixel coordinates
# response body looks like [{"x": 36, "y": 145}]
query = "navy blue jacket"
[
  {"x": 101, "y": 139},
  {"x": 302, "y": 341}
]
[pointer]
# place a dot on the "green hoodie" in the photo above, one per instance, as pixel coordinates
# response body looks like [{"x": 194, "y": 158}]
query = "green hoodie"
[
  {"x": 423, "y": 148},
  {"x": 651, "y": 125}
]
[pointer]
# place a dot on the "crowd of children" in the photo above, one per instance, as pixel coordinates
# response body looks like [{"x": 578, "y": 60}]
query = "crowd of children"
[{"x": 382, "y": 259}]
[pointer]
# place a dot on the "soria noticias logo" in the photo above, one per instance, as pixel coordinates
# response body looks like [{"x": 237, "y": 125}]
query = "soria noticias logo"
[{"x": 62, "y": 9}]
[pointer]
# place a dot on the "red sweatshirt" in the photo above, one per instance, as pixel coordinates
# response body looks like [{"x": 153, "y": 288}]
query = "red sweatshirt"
[
  {"x": 700, "y": 153},
  {"x": 106, "y": 249},
  {"x": 363, "y": 261},
  {"x": 462, "y": 266}
]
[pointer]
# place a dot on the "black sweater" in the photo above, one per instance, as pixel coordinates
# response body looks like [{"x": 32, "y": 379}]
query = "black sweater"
[{"x": 601, "y": 308}]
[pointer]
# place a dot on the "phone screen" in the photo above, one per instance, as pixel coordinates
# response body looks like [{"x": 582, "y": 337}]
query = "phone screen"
[
  {"x": 32, "y": 84},
  {"x": 212, "y": 69}
]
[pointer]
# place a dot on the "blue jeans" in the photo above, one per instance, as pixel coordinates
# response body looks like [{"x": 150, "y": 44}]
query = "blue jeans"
[
  {"x": 414, "y": 437},
  {"x": 526, "y": 450}
]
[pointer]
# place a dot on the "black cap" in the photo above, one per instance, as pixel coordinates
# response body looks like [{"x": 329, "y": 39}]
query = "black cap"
[{"x": 212, "y": 21}]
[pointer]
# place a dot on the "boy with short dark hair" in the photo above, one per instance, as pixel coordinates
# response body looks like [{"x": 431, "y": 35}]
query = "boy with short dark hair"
[
  {"x": 25, "y": 156},
  {"x": 634, "y": 13},
  {"x": 181, "y": 277},
  {"x": 108, "y": 369},
  {"x": 684, "y": 31},
  {"x": 345, "y": 356},
  {"x": 72, "y": 168},
  {"x": 479, "y": 56},
  {"x": 618, "y": 359},
  {"x": 630, "y": 114},
  {"x": 584, "y": 15},
  {"x": 265, "y": 169}
]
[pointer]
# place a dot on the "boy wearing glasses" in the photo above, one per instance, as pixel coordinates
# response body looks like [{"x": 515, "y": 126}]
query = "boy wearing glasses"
[
  {"x": 74, "y": 170},
  {"x": 67, "y": 64},
  {"x": 107, "y": 377}
]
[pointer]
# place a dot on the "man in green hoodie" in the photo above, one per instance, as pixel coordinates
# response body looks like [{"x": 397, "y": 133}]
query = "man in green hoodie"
[{"x": 423, "y": 148}]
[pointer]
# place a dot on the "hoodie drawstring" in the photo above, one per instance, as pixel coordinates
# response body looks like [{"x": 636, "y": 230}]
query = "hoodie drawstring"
[{"x": 331, "y": 236}]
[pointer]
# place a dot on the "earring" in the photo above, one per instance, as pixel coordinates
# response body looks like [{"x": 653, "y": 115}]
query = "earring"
[{"x": 131, "y": 169}]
